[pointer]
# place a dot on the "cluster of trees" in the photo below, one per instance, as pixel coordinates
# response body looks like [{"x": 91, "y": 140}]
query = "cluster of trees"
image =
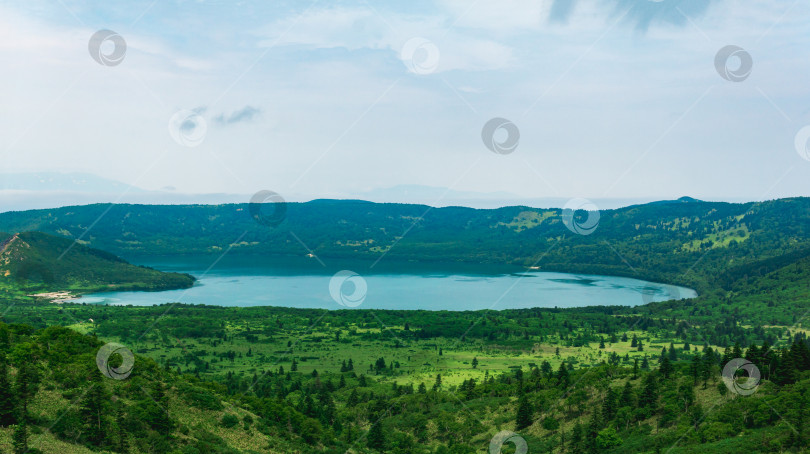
[
  {"x": 94, "y": 411},
  {"x": 38, "y": 261},
  {"x": 651, "y": 237}
]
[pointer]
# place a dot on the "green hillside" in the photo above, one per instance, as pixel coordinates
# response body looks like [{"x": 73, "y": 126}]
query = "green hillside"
[
  {"x": 53, "y": 392},
  {"x": 584, "y": 380},
  {"x": 37, "y": 261},
  {"x": 644, "y": 379},
  {"x": 687, "y": 242}
]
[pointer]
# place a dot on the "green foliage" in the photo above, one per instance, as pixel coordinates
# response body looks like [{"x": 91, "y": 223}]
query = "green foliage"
[
  {"x": 229, "y": 420},
  {"x": 376, "y": 436},
  {"x": 608, "y": 439},
  {"x": 524, "y": 414},
  {"x": 37, "y": 261},
  {"x": 661, "y": 240},
  {"x": 414, "y": 389},
  {"x": 19, "y": 439},
  {"x": 7, "y": 399}
]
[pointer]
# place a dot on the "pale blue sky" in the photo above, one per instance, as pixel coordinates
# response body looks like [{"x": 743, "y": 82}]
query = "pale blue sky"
[{"x": 613, "y": 98}]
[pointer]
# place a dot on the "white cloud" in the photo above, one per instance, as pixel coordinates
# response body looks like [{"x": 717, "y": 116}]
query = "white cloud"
[
  {"x": 502, "y": 16},
  {"x": 363, "y": 29},
  {"x": 328, "y": 89}
]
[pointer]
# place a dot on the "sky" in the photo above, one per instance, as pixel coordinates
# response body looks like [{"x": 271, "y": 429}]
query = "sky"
[{"x": 506, "y": 99}]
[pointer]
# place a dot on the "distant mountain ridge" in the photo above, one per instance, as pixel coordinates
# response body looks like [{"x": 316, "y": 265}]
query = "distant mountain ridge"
[
  {"x": 684, "y": 199},
  {"x": 686, "y": 241}
]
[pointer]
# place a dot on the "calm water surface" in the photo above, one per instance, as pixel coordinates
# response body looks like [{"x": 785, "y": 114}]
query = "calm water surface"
[{"x": 305, "y": 283}]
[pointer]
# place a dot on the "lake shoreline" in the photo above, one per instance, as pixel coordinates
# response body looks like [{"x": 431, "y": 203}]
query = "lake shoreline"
[{"x": 302, "y": 284}]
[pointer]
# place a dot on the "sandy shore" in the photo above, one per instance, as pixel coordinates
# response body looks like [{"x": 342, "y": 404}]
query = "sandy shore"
[{"x": 56, "y": 297}]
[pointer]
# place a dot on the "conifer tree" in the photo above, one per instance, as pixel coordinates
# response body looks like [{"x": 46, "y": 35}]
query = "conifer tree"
[
  {"x": 24, "y": 389},
  {"x": 627, "y": 398},
  {"x": 92, "y": 410},
  {"x": 19, "y": 439},
  {"x": 563, "y": 379},
  {"x": 354, "y": 399},
  {"x": 8, "y": 402},
  {"x": 376, "y": 437},
  {"x": 609, "y": 406},
  {"x": 524, "y": 414},
  {"x": 666, "y": 368}
]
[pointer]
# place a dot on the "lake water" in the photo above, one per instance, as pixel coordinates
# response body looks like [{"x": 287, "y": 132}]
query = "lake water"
[{"x": 309, "y": 283}]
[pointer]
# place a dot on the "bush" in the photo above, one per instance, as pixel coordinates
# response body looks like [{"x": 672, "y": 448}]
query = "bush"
[
  {"x": 607, "y": 439},
  {"x": 550, "y": 424},
  {"x": 228, "y": 421},
  {"x": 199, "y": 397}
]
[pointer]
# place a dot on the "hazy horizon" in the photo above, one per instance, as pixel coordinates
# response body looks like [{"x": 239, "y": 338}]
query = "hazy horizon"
[
  {"x": 55, "y": 190},
  {"x": 592, "y": 99}
]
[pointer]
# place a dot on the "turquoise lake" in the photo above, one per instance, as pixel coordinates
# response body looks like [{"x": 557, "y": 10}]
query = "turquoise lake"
[{"x": 305, "y": 283}]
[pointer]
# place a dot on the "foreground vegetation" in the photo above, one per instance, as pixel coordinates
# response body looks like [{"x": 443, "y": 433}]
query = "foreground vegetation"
[
  {"x": 583, "y": 380},
  {"x": 640, "y": 379}
]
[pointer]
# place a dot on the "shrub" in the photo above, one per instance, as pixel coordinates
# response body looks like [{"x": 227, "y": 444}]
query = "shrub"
[{"x": 229, "y": 420}]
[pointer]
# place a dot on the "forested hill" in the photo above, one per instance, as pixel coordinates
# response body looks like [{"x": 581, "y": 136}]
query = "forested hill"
[
  {"x": 54, "y": 398},
  {"x": 34, "y": 260},
  {"x": 686, "y": 241}
]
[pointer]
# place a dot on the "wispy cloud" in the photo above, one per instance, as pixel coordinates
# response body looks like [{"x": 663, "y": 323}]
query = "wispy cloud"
[
  {"x": 362, "y": 29},
  {"x": 314, "y": 79},
  {"x": 244, "y": 114}
]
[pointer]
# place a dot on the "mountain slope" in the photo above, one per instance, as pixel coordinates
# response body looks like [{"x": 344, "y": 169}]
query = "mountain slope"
[
  {"x": 689, "y": 242},
  {"x": 34, "y": 260},
  {"x": 71, "y": 407}
]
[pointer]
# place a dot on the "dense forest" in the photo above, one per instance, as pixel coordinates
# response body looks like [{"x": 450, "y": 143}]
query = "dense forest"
[
  {"x": 724, "y": 372},
  {"x": 33, "y": 261},
  {"x": 684, "y": 241}
]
